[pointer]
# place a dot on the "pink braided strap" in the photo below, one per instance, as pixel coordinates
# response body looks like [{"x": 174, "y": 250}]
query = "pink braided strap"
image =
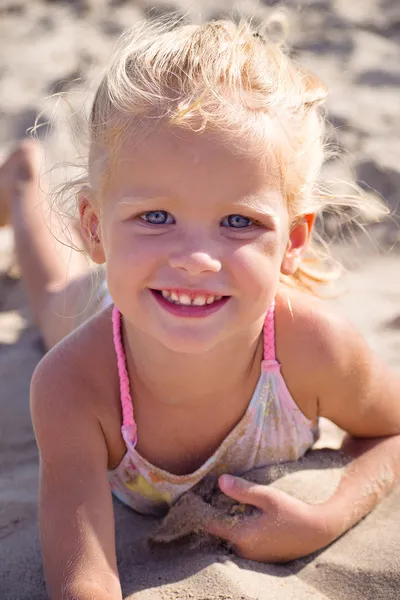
[
  {"x": 126, "y": 400},
  {"x": 269, "y": 335}
]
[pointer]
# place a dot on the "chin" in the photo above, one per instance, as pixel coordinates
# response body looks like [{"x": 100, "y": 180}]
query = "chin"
[{"x": 195, "y": 343}]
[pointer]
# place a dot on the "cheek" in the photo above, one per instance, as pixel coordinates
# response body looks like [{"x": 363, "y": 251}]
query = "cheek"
[
  {"x": 256, "y": 265},
  {"x": 130, "y": 259},
  {"x": 122, "y": 245}
]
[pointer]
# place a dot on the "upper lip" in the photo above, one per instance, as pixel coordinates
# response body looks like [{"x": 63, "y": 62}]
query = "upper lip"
[{"x": 189, "y": 291}]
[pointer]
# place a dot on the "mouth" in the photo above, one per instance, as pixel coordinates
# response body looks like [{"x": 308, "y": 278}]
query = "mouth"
[
  {"x": 189, "y": 303},
  {"x": 186, "y": 298}
]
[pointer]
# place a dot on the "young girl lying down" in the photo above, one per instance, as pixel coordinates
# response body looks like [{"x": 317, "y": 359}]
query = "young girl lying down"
[{"x": 197, "y": 353}]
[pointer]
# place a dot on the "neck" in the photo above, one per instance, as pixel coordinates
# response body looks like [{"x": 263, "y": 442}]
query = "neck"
[{"x": 190, "y": 380}]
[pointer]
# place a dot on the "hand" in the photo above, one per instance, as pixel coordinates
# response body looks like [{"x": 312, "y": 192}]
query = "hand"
[{"x": 283, "y": 528}]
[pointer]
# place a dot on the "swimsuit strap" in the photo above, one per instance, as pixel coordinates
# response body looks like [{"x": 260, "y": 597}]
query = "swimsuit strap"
[
  {"x": 269, "y": 334},
  {"x": 126, "y": 400}
]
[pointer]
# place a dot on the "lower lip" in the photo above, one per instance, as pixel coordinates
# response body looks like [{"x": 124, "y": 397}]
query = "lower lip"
[{"x": 193, "y": 312}]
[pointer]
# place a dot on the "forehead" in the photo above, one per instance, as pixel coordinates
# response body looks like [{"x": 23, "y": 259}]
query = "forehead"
[{"x": 180, "y": 163}]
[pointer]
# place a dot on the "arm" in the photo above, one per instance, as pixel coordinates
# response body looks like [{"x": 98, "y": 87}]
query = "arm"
[
  {"x": 371, "y": 475},
  {"x": 75, "y": 508},
  {"x": 330, "y": 364},
  {"x": 362, "y": 396}
]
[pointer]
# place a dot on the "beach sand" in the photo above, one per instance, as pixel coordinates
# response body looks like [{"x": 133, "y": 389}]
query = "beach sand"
[{"x": 355, "y": 48}]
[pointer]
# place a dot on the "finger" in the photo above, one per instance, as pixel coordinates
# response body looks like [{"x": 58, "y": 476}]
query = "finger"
[
  {"x": 221, "y": 528},
  {"x": 243, "y": 491},
  {"x": 262, "y": 497}
]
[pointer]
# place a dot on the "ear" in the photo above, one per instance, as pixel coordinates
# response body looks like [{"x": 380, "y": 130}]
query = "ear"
[
  {"x": 90, "y": 226},
  {"x": 298, "y": 240}
]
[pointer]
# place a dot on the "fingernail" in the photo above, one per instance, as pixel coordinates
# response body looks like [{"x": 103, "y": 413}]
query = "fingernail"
[{"x": 227, "y": 480}]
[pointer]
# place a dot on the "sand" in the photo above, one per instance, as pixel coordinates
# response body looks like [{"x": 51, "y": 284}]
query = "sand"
[{"x": 355, "y": 48}]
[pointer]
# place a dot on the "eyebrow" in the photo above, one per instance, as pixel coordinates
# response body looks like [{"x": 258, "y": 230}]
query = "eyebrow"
[
  {"x": 130, "y": 201},
  {"x": 135, "y": 199},
  {"x": 256, "y": 203}
]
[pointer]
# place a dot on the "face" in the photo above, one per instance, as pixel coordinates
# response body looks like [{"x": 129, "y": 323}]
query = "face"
[{"x": 194, "y": 235}]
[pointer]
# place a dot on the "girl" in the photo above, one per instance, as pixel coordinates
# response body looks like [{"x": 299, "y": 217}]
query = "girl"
[{"x": 199, "y": 357}]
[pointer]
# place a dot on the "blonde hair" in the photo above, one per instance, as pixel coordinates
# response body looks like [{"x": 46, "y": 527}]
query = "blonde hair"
[{"x": 235, "y": 78}]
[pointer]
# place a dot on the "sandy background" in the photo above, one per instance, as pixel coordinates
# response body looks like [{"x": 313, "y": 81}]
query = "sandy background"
[{"x": 354, "y": 46}]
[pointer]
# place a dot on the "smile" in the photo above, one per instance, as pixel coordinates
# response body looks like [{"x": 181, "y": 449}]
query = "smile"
[
  {"x": 195, "y": 299},
  {"x": 189, "y": 303}
]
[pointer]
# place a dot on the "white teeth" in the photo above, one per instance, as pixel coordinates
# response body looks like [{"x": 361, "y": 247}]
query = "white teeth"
[
  {"x": 186, "y": 300},
  {"x": 199, "y": 301}
]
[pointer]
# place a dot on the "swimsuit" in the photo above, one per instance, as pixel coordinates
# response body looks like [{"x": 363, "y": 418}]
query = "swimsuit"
[{"x": 272, "y": 430}]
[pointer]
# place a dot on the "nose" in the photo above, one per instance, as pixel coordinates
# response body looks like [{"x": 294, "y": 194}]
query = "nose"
[{"x": 194, "y": 260}]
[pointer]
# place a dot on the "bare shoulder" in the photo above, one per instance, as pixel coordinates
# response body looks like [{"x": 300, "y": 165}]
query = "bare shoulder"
[
  {"x": 332, "y": 368},
  {"x": 78, "y": 379},
  {"x": 78, "y": 361},
  {"x": 303, "y": 336},
  {"x": 309, "y": 325}
]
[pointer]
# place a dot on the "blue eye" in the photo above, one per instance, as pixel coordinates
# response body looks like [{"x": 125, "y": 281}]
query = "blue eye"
[
  {"x": 236, "y": 222},
  {"x": 157, "y": 217}
]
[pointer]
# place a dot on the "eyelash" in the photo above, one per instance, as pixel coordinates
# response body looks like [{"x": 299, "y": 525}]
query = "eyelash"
[{"x": 251, "y": 221}]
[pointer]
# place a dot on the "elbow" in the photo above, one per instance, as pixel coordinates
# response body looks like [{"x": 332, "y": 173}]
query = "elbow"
[
  {"x": 354, "y": 446},
  {"x": 88, "y": 590}
]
